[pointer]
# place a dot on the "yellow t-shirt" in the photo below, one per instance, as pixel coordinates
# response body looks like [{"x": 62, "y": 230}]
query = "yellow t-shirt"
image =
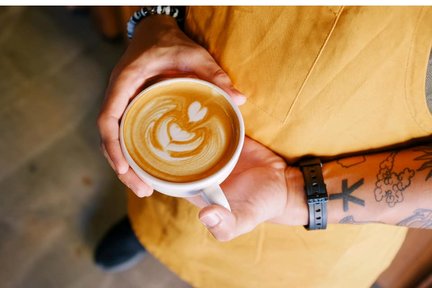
[{"x": 320, "y": 80}]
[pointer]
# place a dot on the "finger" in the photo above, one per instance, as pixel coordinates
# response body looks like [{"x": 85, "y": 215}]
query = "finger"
[
  {"x": 107, "y": 157},
  {"x": 198, "y": 201},
  {"x": 207, "y": 69},
  {"x": 109, "y": 131},
  {"x": 122, "y": 87},
  {"x": 223, "y": 224},
  {"x": 131, "y": 180}
]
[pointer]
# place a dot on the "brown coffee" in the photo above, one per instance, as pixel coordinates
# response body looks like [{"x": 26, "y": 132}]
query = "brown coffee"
[{"x": 181, "y": 132}]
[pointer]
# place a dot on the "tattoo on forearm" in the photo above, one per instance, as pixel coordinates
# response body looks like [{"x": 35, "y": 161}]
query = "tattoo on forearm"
[
  {"x": 351, "y": 161},
  {"x": 427, "y": 160},
  {"x": 422, "y": 218},
  {"x": 346, "y": 196},
  {"x": 350, "y": 220},
  {"x": 390, "y": 184}
]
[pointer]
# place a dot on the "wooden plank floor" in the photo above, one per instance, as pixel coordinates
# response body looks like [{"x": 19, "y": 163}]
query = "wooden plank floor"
[{"x": 58, "y": 194}]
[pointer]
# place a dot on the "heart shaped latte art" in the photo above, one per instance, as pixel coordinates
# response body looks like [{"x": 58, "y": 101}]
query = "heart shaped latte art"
[
  {"x": 180, "y": 137},
  {"x": 196, "y": 112},
  {"x": 173, "y": 143},
  {"x": 178, "y": 134}
]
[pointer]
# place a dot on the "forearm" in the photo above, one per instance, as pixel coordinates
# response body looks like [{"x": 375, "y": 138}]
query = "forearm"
[{"x": 393, "y": 187}]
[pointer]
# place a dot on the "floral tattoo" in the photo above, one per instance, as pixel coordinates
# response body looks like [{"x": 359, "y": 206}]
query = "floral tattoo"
[{"x": 390, "y": 184}]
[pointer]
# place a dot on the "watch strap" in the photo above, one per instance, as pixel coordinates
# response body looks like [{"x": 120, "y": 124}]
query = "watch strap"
[{"x": 316, "y": 193}]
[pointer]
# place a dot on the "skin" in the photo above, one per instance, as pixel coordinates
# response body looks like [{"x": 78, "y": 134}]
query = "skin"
[
  {"x": 166, "y": 52},
  {"x": 262, "y": 187}
]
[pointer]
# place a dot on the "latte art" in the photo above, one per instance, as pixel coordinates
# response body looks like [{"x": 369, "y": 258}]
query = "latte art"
[
  {"x": 181, "y": 132},
  {"x": 169, "y": 140}
]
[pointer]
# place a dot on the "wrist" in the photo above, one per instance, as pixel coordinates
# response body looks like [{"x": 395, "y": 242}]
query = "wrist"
[
  {"x": 156, "y": 26},
  {"x": 297, "y": 212},
  {"x": 146, "y": 12}
]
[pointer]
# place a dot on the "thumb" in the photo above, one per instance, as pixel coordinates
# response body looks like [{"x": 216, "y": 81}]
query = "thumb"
[
  {"x": 212, "y": 72},
  {"x": 219, "y": 221},
  {"x": 223, "y": 224}
]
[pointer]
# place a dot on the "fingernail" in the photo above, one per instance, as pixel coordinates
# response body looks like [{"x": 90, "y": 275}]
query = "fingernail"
[
  {"x": 143, "y": 191},
  {"x": 122, "y": 169},
  {"x": 211, "y": 220},
  {"x": 140, "y": 193},
  {"x": 241, "y": 100}
]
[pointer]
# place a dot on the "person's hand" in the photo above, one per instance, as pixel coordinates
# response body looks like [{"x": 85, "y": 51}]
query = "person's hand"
[
  {"x": 261, "y": 188},
  {"x": 159, "y": 48}
]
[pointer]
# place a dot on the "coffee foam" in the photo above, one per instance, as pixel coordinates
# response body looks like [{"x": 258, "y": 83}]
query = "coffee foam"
[{"x": 181, "y": 132}]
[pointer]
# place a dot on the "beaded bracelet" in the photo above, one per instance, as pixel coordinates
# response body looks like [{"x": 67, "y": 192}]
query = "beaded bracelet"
[{"x": 155, "y": 10}]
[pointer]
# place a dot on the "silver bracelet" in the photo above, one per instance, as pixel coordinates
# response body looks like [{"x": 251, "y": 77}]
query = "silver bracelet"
[{"x": 145, "y": 12}]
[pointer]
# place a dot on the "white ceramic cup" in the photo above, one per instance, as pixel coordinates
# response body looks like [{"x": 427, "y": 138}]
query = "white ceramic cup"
[{"x": 208, "y": 187}]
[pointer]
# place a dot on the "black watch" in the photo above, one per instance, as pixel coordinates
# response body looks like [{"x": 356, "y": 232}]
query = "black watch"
[{"x": 316, "y": 193}]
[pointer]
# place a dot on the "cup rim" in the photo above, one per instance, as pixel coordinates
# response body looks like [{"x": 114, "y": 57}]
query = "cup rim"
[{"x": 197, "y": 184}]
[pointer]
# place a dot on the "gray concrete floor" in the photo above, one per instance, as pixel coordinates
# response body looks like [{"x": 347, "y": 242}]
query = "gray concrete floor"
[{"x": 57, "y": 193}]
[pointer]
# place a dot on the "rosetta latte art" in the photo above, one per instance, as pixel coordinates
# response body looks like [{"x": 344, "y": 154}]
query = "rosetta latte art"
[
  {"x": 174, "y": 137},
  {"x": 180, "y": 138}
]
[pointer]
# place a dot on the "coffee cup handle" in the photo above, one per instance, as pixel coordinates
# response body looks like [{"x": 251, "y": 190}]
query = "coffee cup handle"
[{"x": 215, "y": 195}]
